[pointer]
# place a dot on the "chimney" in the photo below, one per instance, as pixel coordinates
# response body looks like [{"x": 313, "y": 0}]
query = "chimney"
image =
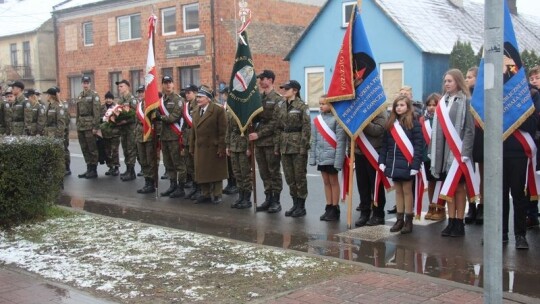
[
  {"x": 456, "y": 3},
  {"x": 512, "y": 6}
]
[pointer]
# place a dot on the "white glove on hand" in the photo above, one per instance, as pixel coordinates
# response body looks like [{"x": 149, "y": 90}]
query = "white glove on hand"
[
  {"x": 538, "y": 172},
  {"x": 382, "y": 167},
  {"x": 414, "y": 172},
  {"x": 465, "y": 159}
]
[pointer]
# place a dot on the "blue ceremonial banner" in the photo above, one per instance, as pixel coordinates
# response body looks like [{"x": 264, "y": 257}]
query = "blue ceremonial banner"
[
  {"x": 356, "y": 93},
  {"x": 518, "y": 104}
]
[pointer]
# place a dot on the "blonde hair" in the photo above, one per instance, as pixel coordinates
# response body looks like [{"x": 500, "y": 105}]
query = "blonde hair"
[{"x": 460, "y": 81}]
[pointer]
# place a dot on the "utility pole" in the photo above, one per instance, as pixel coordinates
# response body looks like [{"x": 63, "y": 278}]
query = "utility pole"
[{"x": 493, "y": 149}]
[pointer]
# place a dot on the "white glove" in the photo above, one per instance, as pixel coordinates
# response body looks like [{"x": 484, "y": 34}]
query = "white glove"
[
  {"x": 538, "y": 172},
  {"x": 382, "y": 167},
  {"x": 465, "y": 159},
  {"x": 414, "y": 172}
]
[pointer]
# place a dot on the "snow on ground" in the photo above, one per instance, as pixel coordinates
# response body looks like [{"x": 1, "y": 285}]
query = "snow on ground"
[{"x": 132, "y": 261}]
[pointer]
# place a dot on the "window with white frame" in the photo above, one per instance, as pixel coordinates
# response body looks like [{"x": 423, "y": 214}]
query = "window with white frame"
[
  {"x": 88, "y": 33},
  {"x": 346, "y": 12},
  {"x": 314, "y": 86},
  {"x": 191, "y": 17},
  {"x": 189, "y": 75},
  {"x": 168, "y": 21},
  {"x": 392, "y": 79},
  {"x": 129, "y": 27}
]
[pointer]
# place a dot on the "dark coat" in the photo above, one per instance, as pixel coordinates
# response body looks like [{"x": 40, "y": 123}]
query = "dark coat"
[
  {"x": 206, "y": 141},
  {"x": 397, "y": 166}
]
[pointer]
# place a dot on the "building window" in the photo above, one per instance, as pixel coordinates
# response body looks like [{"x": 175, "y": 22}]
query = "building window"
[
  {"x": 137, "y": 79},
  {"x": 314, "y": 86},
  {"x": 113, "y": 78},
  {"x": 346, "y": 12},
  {"x": 27, "y": 72},
  {"x": 392, "y": 80},
  {"x": 189, "y": 75},
  {"x": 13, "y": 54},
  {"x": 75, "y": 85},
  {"x": 191, "y": 17},
  {"x": 129, "y": 27},
  {"x": 168, "y": 24},
  {"x": 88, "y": 33}
]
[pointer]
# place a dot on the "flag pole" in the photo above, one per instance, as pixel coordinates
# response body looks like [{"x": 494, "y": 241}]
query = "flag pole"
[
  {"x": 154, "y": 135},
  {"x": 349, "y": 194},
  {"x": 253, "y": 175}
]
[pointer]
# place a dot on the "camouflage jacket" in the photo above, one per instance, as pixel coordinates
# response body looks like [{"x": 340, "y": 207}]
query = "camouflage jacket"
[
  {"x": 293, "y": 127},
  {"x": 31, "y": 114},
  {"x": 55, "y": 119},
  {"x": 265, "y": 122},
  {"x": 174, "y": 105},
  {"x": 130, "y": 100},
  {"x": 234, "y": 141},
  {"x": 88, "y": 111}
]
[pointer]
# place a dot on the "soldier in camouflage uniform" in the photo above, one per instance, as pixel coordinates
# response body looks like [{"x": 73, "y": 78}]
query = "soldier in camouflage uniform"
[
  {"x": 67, "y": 156},
  {"x": 54, "y": 116},
  {"x": 127, "y": 131},
  {"x": 88, "y": 118},
  {"x": 146, "y": 149},
  {"x": 32, "y": 111},
  {"x": 237, "y": 148},
  {"x": 2, "y": 114},
  {"x": 9, "y": 100},
  {"x": 171, "y": 138},
  {"x": 111, "y": 139},
  {"x": 189, "y": 106},
  {"x": 14, "y": 113},
  {"x": 267, "y": 162},
  {"x": 292, "y": 141}
]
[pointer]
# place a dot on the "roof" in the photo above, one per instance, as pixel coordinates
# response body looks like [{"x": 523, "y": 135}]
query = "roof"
[
  {"x": 23, "y": 16},
  {"x": 437, "y": 24},
  {"x": 431, "y": 17},
  {"x": 75, "y": 4}
]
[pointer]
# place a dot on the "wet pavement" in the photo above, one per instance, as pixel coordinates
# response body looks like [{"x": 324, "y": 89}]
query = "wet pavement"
[{"x": 424, "y": 251}]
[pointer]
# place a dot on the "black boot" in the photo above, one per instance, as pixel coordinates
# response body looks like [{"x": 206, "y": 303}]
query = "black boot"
[
  {"x": 148, "y": 186},
  {"x": 300, "y": 209},
  {"x": 189, "y": 181},
  {"x": 125, "y": 172},
  {"x": 140, "y": 173},
  {"x": 326, "y": 210},
  {"x": 246, "y": 202},
  {"x": 165, "y": 176},
  {"x": 192, "y": 191},
  {"x": 115, "y": 171},
  {"x": 231, "y": 187},
  {"x": 471, "y": 214},
  {"x": 239, "y": 200},
  {"x": 399, "y": 223},
  {"x": 93, "y": 172},
  {"x": 332, "y": 214},
  {"x": 459, "y": 228},
  {"x": 364, "y": 218},
  {"x": 171, "y": 189},
  {"x": 408, "y": 227},
  {"x": 83, "y": 175},
  {"x": 130, "y": 174},
  {"x": 178, "y": 192},
  {"x": 67, "y": 171},
  {"x": 275, "y": 205},
  {"x": 392, "y": 211},
  {"x": 266, "y": 204},
  {"x": 295, "y": 205},
  {"x": 480, "y": 214},
  {"x": 109, "y": 171},
  {"x": 197, "y": 194},
  {"x": 448, "y": 230}
]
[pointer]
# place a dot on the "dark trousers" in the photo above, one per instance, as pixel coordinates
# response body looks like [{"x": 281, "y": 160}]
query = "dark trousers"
[
  {"x": 365, "y": 181},
  {"x": 514, "y": 176}
]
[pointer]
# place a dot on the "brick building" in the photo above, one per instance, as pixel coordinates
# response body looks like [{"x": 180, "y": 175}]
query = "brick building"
[{"x": 195, "y": 41}]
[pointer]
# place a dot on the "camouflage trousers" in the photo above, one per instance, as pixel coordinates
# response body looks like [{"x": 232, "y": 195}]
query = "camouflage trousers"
[
  {"x": 112, "y": 146},
  {"x": 241, "y": 167},
  {"x": 269, "y": 165},
  {"x": 148, "y": 158},
  {"x": 295, "y": 169},
  {"x": 127, "y": 139},
  {"x": 174, "y": 164},
  {"x": 67, "y": 155},
  {"x": 87, "y": 140}
]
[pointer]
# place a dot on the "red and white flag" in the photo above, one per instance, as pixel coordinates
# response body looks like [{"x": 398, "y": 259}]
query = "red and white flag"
[{"x": 151, "y": 96}]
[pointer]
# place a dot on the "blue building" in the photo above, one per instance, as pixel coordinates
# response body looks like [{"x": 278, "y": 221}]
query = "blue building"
[{"x": 410, "y": 40}]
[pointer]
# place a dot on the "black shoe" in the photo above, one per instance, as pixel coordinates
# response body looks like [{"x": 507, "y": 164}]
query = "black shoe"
[
  {"x": 109, "y": 171},
  {"x": 300, "y": 209},
  {"x": 471, "y": 214},
  {"x": 392, "y": 211},
  {"x": 148, "y": 187},
  {"x": 266, "y": 204},
  {"x": 293, "y": 208},
  {"x": 165, "y": 176},
  {"x": 171, "y": 189},
  {"x": 375, "y": 221},
  {"x": 92, "y": 173},
  {"x": 140, "y": 174},
  {"x": 217, "y": 200},
  {"x": 178, "y": 192},
  {"x": 332, "y": 215},
  {"x": 326, "y": 210},
  {"x": 532, "y": 222},
  {"x": 83, "y": 175},
  {"x": 449, "y": 228},
  {"x": 480, "y": 214},
  {"x": 364, "y": 218},
  {"x": 459, "y": 228},
  {"x": 238, "y": 200},
  {"x": 275, "y": 205},
  {"x": 203, "y": 200},
  {"x": 358, "y": 208},
  {"x": 130, "y": 175},
  {"x": 230, "y": 190},
  {"x": 521, "y": 242}
]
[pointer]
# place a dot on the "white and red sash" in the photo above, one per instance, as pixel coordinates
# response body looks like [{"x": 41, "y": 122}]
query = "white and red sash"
[
  {"x": 426, "y": 129},
  {"x": 373, "y": 158},
  {"x": 176, "y": 127},
  {"x": 458, "y": 167},
  {"x": 140, "y": 112},
  {"x": 532, "y": 181},
  {"x": 330, "y": 136},
  {"x": 187, "y": 117},
  {"x": 407, "y": 149}
]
